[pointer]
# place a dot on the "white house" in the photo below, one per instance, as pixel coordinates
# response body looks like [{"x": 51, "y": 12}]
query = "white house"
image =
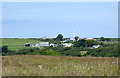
[
  {"x": 44, "y": 44},
  {"x": 47, "y": 38},
  {"x": 37, "y": 45},
  {"x": 91, "y": 39},
  {"x": 65, "y": 40},
  {"x": 54, "y": 45},
  {"x": 72, "y": 39},
  {"x": 81, "y": 38},
  {"x": 67, "y": 44},
  {"x": 96, "y": 46}
]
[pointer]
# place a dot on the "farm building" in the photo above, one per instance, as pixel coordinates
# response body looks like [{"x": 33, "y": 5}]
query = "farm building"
[
  {"x": 67, "y": 44},
  {"x": 27, "y": 45},
  {"x": 96, "y": 46},
  {"x": 54, "y": 45},
  {"x": 47, "y": 38},
  {"x": 91, "y": 39},
  {"x": 72, "y": 39},
  {"x": 37, "y": 45},
  {"x": 66, "y": 40},
  {"x": 44, "y": 44},
  {"x": 80, "y": 38}
]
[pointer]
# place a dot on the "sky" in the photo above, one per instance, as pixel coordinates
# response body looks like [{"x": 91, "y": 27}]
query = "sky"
[{"x": 40, "y": 19}]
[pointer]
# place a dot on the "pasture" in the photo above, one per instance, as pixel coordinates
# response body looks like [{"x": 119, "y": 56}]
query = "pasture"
[
  {"x": 38, "y": 65},
  {"x": 15, "y": 44}
]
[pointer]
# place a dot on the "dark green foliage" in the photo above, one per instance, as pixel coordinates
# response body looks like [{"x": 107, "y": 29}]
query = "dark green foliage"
[
  {"x": 59, "y": 37},
  {"x": 27, "y": 45},
  {"x": 79, "y": 43},
  {"x": 76, "y": 38},
  {"x": 47, "y": 52},
  {"x": 109, "y": 51},
  {"x": 79, "y": 48},
  {"x": 5, "y": 49},
  {"x": 85, "y": 43},
  {"x": 102, "y": 39},
  {"x": 107, "y": 39}
]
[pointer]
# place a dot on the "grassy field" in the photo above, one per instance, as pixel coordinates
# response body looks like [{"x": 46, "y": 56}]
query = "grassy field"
[
  {"x": 15, "y": 44},
  {"x": 36, "y": 65},
  {"x": 0, "y": 66},
  {"x": 111, "y": 42}
]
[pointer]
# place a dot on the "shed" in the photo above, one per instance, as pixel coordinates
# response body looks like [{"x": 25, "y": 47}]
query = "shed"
[{"x": 27, "y": 44}]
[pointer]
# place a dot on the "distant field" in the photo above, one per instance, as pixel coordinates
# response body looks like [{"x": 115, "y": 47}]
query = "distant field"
[
  {"x": 35, "y": 65},
  {"x": 17, "y": 43},
  {"x": 14, "y": 44},
  {"x": 111, "y": 42}
]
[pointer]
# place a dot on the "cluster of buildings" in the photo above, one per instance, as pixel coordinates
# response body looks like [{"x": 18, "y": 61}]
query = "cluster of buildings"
[
  {"x": 63, "y": 43},
  {"x": 47, "y": 44}
]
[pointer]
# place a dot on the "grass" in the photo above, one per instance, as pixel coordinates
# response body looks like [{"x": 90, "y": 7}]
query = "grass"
[
  {"x": 15, "y": 44},
  {"x": 0, "y": 66},
  {"x": 38, "y": 65},
  {"x": 111, "y": 42}
]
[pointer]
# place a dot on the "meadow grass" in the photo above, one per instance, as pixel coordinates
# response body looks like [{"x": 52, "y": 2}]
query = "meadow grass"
[
  {"x": 39, "y": 65},
  {"x": 15, "y": 44},
  {"x": 111, "y": 42},
  {"x": 0, "y": 66}
]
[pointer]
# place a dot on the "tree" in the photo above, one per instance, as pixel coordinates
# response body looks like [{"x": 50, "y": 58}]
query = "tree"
[
  {"x": 88, "y": 43},
  {"x": 102, "y": 39},
  {"x": 107, "y": 39},
  {"x": 79, "y": 43},
  {"x": 5, "y": 49},
  {"x": 76, "y": 38},
  {"x": 59, "y": 37}
]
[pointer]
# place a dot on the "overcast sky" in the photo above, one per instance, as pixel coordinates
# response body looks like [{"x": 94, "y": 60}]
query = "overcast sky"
[{"x": 39, "y": 19}]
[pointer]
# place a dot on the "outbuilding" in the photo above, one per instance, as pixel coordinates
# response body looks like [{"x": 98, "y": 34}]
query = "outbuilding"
[{"x": 27, "y": 44}]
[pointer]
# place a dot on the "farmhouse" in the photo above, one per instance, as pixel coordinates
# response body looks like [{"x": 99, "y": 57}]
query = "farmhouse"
[
  {"x": 47, "y": 38},
  {"x": 91, "y": 39},
  {"x": 65, "y": 40},
  {"x": 96, "y": 46},
  {"x": 72, "y": 39},
  {"x": 67, "y": 44},
  {"x": 44, "y": 44},
  {"x": 54, "y": 45},
  {"x": 81, "y": 38},
  {"x": 37, "y": 45}
]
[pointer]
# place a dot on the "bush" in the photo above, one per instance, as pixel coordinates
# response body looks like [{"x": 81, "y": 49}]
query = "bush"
[
  {"x": 47, "y": 52},
  {"x": 109, "y": 51}
]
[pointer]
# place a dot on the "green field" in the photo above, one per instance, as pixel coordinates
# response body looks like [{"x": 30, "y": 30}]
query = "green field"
[
  {"x": 15, "y": 44},
  {"x": 37, "y": 65},
  {"x": 111, "y": 42}
]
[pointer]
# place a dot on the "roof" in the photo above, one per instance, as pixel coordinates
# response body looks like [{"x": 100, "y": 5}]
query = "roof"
[
  {"x": 44, "y": 43},
  {"x": 96, "y": 46}
]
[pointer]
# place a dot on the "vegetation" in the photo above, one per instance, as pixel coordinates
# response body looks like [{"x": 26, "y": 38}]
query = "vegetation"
[
  {"x": 109, "y": 51},
  {"x": 16, "y": 44},
  {"x": 79, "y": 48},
  {"x": 57, "y": 61},
  {"x": 76, "y": 38},
  {"x": 34, "y": 65},
  {"x": 59, "y": 37}
]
